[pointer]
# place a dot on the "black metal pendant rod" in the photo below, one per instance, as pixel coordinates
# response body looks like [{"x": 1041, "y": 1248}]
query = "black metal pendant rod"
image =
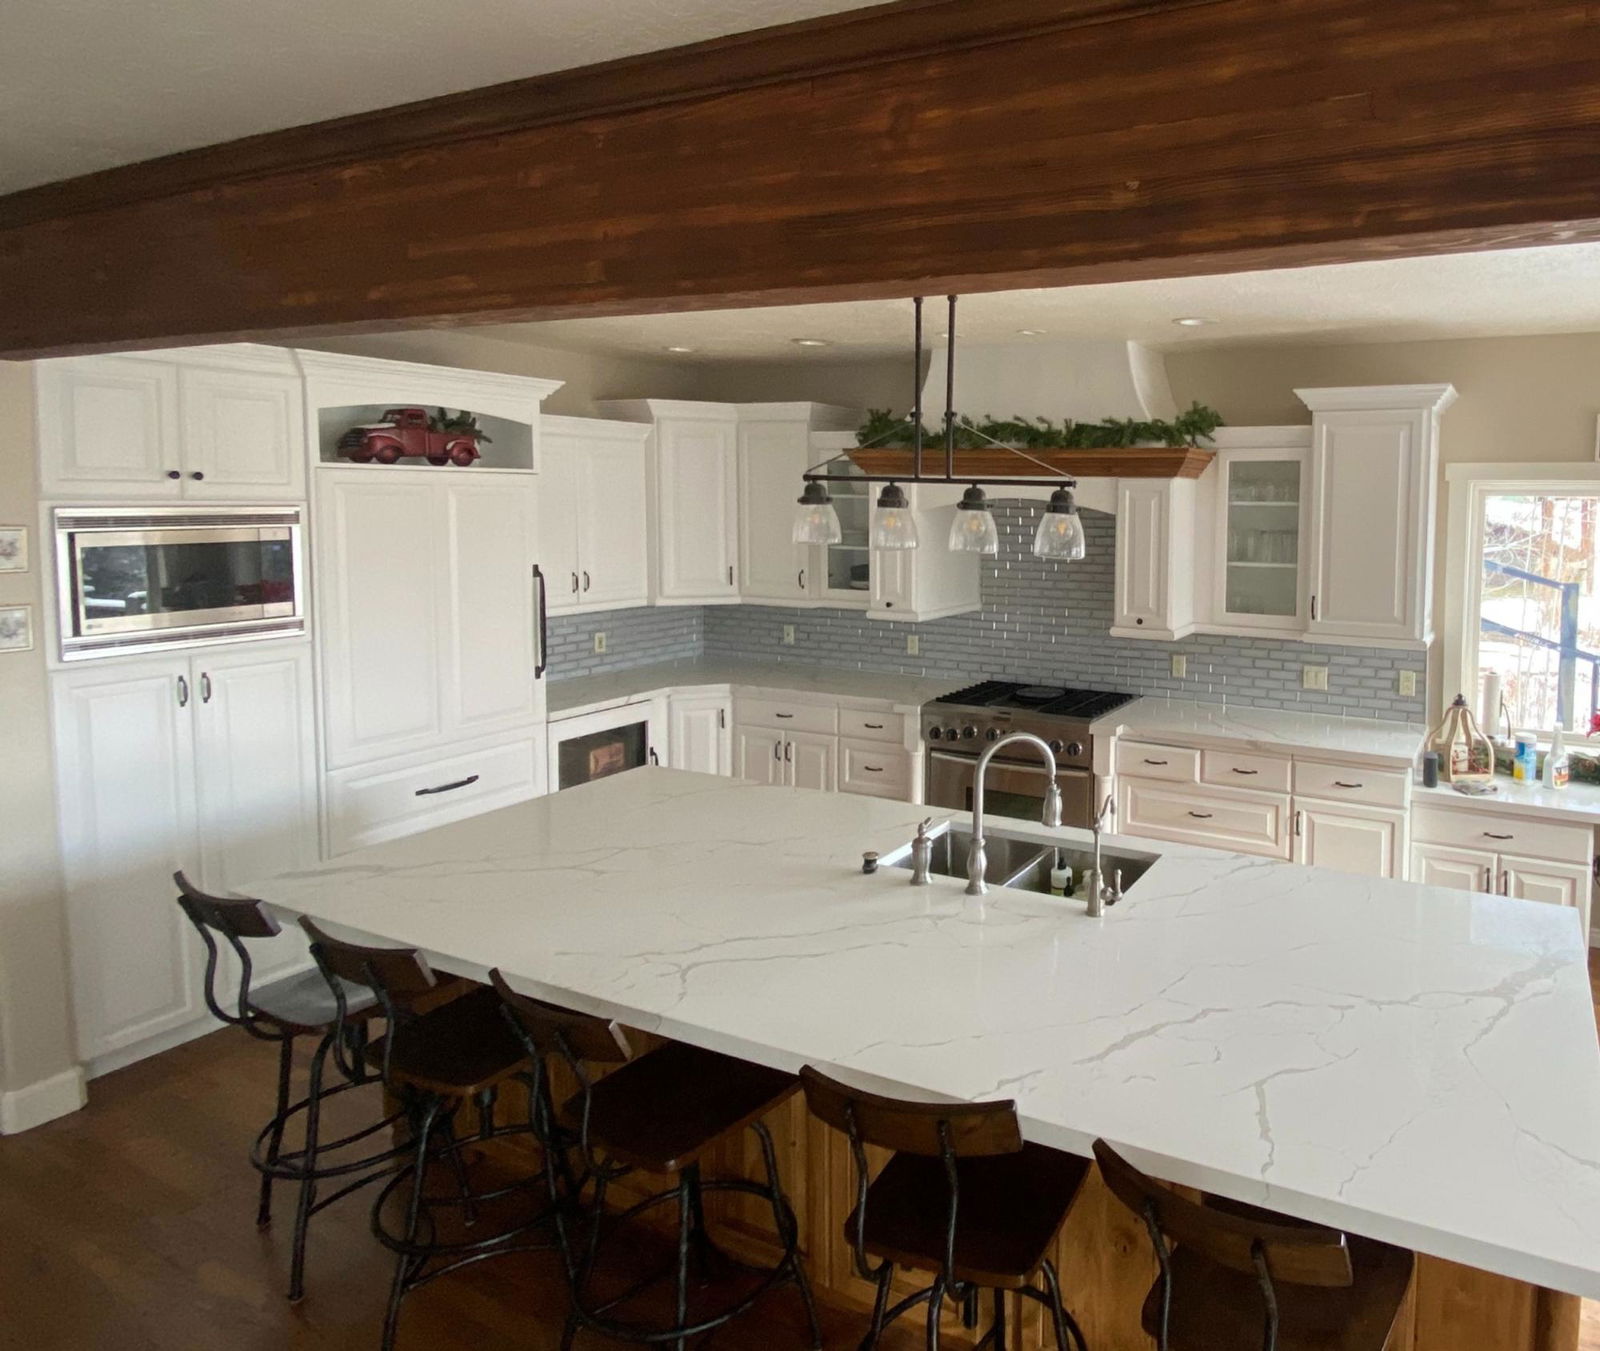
[{"x": 950, "y": 393}]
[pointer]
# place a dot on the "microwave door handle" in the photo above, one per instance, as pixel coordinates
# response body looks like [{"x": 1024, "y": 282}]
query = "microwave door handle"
[{"x": 544, "y": 623}]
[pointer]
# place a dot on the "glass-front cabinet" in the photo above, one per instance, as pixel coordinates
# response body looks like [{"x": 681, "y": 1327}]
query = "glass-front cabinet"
[
  {"x": 1261, "y": 525},
  {"x": 846, "y": 567}
]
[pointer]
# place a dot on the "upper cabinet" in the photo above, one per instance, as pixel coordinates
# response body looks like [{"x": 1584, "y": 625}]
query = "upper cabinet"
[
  {"x": 1262, "y": 506},
  {"x": 594, "y": 533},
  {"x": 1155, "y": 572},
  {"x": 1374, "y": 463},
  {"x": 214, "y": 423}
]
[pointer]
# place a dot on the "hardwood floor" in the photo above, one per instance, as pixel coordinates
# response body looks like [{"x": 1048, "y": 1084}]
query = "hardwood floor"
[{"x": 130, "y": 1226}]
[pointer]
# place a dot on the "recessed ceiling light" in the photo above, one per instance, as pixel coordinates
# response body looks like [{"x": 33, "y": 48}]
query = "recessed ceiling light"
[
  {"x": 1193, "y": 321},
  {"x": 811, "y": 342},
  {"x": 681, "y": 350},
  {"x": 1031, "y": 332}
]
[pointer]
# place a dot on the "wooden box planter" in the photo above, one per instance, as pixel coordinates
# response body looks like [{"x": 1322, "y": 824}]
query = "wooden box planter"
[{"x": 994, "y": 462}]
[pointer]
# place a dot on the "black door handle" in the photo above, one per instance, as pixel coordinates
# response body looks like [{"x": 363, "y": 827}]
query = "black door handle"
[
  {"x": 446, "y": 787},
  {"x": 544, "y": 624}
]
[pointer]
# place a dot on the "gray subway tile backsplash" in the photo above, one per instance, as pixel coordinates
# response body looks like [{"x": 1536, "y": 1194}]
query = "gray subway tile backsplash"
[{"x": 1041, "y": 621}]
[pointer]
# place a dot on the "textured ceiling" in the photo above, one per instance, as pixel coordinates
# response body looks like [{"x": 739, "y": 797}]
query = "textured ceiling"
[
  {"x": 88, "y": 84},
  {"x": 1516, "y": 291}
]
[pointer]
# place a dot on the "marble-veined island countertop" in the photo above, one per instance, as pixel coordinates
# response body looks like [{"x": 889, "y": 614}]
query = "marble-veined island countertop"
[{"x": 1408, "y": 1062}]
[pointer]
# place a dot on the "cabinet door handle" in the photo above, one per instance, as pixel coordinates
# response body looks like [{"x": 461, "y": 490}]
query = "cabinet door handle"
[
  {"x": 783, "y": 715},
  {"x": 1201, "y": 816},
  {"x": 777, "y": 750},
  {"x": 722, "y": 719},
  {"x": 654, "y": 758},
  {"x": 541, "y": 608},
  {"x": 586, "y": 579},
  {"x": 1299, "y": 823},
  {"x": 1490, "y": 835},
  {"x": 173, "y": 473},
  {"x": 183, "y": 692},
  {"x": 1488, "y": 879},
  {"x": 205, "y": 687},
  {"x": 1505, "y": 881},
  {"x": 1155, "y": 762},
  {"x": 1313, "y": 607},
  {"x": 788, "y": 752},
  {"x": 574, "y": 584},
  {"x": 1247, "y": 771},
  {"x": 730, "y": 574},
  {"x": 446, "y": 787},
  {"x": 801, "y": 576},
  {"x": 1340, "y": 783},
  {"x": 197, "y": 475}
]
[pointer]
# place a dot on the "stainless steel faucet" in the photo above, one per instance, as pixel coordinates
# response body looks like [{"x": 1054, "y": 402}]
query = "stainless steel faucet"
[
  {"x": 1101, "y": 892},
  {"x": 977, "y": 861}
]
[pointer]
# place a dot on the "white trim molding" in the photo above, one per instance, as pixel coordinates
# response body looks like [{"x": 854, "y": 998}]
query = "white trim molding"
[
  {"x": 60, "y": 1095},
  {"x": 1466, "y": 486},
  {"x": 1368, "y": 398}
]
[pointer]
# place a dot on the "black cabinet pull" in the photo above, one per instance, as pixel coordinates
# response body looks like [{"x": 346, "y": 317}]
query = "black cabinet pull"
[
  {"x": 205, "y": 687},
  {"x": 183, "y": 692},
  {"x": 1340, "y": 783},
  {"x": 873, "y": 769},
  {"x": 730, "y": 574},
  {"x": 574, "y": 584},
  {"x": 1155, "y": 762},
  {"x": 586, "y": 579},
  {"x": 197, "y": 475},
  {"x": 654, "y": 758},
  {"x": 873, "y": 726},
  {"x": 800, "y": 577},
  {"x": 173, "y": 473},
  {"x": 1490, "y": 835},
  {"x": 1201, "y": 816},
  {"x": 783, "y": 715},
  {"x": 447, "y": 787},
  {"x": 542, "y": 620},
  {"x": 1247, "y": 771},
  {"x": 788, "y": 751}
]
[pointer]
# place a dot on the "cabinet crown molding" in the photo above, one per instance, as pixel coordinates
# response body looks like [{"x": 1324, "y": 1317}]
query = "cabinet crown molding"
[
  {"x": 1347, "y": 398},
  {"x": 560, "y": 424},
  {"x": 343, "y": 366}
]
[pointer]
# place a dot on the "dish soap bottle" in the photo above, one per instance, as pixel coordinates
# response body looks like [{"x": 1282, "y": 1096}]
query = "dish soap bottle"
[{"x": 1556, "y": 767}]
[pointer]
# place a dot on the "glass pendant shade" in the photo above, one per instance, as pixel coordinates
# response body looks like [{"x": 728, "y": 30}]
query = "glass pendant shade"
[
  {"x": 815, "y": 520},
  {"x": 893, "y": 525},
  {"x": 1060, "y": 532},
  {"x": 973, "y": 531}
]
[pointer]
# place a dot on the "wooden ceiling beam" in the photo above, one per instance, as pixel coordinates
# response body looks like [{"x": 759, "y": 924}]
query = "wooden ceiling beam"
[{"x": 928, "y": 145}]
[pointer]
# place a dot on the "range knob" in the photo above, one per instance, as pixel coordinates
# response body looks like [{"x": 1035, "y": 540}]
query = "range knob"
[
  {"x": 935, "y": 733},
  {"x": 969, "y": 732},
  {"x": 1056, "y": 747},
  {"x": 993, "y": 734},
  {"x": 1075, "y": 748}
]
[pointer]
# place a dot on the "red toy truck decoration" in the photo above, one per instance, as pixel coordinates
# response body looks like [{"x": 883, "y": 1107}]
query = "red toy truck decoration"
[{"x": 411, "y": 433}]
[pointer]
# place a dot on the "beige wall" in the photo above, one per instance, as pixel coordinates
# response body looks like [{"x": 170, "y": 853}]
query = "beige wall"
[{"x": 35, "y": 1029}]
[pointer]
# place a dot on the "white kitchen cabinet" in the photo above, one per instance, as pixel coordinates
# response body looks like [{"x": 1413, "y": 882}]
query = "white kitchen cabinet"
[
  {"x": 1476, "y": 847},
  {"x": 426, "y": 602},
  {"x": 876, "y": 769},
  {"x": 201, "y": 763},
  {"x": 811, "y": 760},
  {"x": 758, "y": 755},
  {"x": 1374, "y": 460},
  {"x": 930, "y": 581},
  {"x": 593, "y": 514},
  {"x": 1155, "y": 559},
  {"x": 217, "y": 423},
  {"x": 773, "y": 453},
  {"x": 1440, "y": 865},
  {"x": 1533, "y": 879},
  {"x": 1350, "y": 839},
  {"x": 1263, "y": 507},
  {"x": 701, "y": 737}
]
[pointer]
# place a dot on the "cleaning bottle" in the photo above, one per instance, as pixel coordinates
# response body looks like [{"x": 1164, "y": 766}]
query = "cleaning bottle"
[{"x": 1556, "y": 767}]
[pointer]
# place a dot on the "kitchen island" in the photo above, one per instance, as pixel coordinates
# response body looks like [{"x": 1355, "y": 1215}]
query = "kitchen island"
[{"x": 1407, "y": 1062}]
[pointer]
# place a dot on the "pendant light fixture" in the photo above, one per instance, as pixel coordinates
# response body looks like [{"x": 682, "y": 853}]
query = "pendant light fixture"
[
  {"x": 816, "y": 521},
  {"x": 894, "y": 525},
  {"x": 1060, "y": 532}
]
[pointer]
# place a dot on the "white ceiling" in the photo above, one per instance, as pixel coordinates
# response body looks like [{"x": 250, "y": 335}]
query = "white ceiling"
[
  {"x": 1508, "y": 292},
  {"x": 89, "y": 84}
]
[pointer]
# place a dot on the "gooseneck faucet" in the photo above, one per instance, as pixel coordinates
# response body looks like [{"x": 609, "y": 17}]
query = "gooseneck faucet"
[
  {"x": 1100, "y": 891},
  {"x": 977, "y": 861}
]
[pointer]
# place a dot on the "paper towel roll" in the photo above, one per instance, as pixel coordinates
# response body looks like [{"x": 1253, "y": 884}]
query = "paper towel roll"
[{"x": 1489, "y": 722}]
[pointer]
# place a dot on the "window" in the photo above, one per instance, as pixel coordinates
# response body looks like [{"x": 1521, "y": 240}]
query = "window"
[{"x": 1525, "y": 604}]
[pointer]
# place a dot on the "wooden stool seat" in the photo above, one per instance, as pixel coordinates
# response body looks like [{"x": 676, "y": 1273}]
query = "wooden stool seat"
[
  {"x": 662, "y": 1111},
  {"x": 1215, "y": 1309},
  {"x": 303, "y": 1004},
  {"x": 1012, "y": 1206},
  {"x": 460, "y": 1049}
]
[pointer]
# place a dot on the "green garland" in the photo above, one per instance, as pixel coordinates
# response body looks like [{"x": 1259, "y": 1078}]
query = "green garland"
[{"x": 883, "y": 428}]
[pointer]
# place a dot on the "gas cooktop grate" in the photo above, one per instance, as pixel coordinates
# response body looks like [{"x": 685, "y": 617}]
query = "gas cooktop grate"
[{"x": 1059, "y": 703}]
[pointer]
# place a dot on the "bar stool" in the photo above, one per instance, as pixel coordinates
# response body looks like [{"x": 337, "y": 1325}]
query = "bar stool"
[
  {"x": 434, "y": 1061},
  {"x": 296, "y": 1006},
  {"x": 962, "y": 1196},
  {"x": 1243, "y": 1276},
  {"x": 660, "y": 1113}
]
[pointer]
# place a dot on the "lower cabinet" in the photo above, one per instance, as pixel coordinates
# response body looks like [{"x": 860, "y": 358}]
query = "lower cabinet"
[
  {"x": 1478, "y": 849},
  {"x": 701, "y": 737},
  {"x": 875, "y": 769},
  {"x": 1350, "y": 839},
  {"x": 793, "y": 759},
  {"x": 204, "y": 763}
]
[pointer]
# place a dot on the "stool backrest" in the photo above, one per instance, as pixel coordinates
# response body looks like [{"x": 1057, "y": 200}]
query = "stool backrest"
[
  {"x": 235, "y": 919},
  {"x": 945, "y": 1131},
  {"x": 549, "y": 1029},
  {"x": 398, "y": 976},
  {"x": 1270, "y": 1250}
]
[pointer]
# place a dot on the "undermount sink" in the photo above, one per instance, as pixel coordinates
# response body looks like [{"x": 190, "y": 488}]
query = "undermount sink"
[{"x": 1023, "y": 864}]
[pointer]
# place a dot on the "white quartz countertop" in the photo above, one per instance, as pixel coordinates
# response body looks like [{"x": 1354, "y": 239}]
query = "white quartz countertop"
[
  {"x": 1184, "y": 722},
  {"x": 1578, "y": 803},
  {"x": 1408, "y": 1062},
  {"x": 903, "y": 693}
]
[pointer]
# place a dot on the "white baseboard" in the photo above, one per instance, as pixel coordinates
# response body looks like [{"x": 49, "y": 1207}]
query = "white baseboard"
[{"x": 24, "y": 1108}]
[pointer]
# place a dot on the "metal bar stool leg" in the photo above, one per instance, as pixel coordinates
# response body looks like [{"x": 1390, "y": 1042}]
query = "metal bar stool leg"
[
  {"x": 688, "y": 1222},
  {"x": 935, "y": 1312},
  {"x": 999, "y": 1321},
  {"x": 404, "y": 1265},
  {"x": 1061, "y": 1320},
  {"x": 275, "y": 1141},
  {"x": 880, "y": 1306},
  {"x": 308, "y": 1182},
  {"x": 788, "y": 1231}
]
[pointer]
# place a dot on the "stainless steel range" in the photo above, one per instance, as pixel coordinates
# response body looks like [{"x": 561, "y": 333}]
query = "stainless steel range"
[{"x": 959, "y": 726}]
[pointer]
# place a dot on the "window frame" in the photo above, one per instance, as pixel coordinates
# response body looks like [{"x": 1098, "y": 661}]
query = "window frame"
[{"x": 1467, "y": 487}]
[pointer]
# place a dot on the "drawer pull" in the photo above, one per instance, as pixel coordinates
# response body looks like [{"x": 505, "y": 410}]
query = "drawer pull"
[
  {"x": 873, "y": 726},
  {"x": 1340, "y": 783},
  {"x": 1247, "y": 771},
  {"x": 873, "y": 769},
  {"x": 1155, "y": 762},
  {"x": 1201, "y": 816},
  {"x": 446, "y": 787},
  {"x": 1490, "y": 835},
  {"x": 783, "y": 715}
]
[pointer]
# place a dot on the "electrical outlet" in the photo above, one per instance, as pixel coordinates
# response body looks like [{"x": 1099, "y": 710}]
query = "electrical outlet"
[
  {"x": 1180, "y": 666},
  {"x": 913, "y": 645},
  {"x": 1314, "y": 677},
  {"x": 599, "y": 642},
  {"x": 1408, "y": 684},
  {"x": 788, "y": 635}
]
